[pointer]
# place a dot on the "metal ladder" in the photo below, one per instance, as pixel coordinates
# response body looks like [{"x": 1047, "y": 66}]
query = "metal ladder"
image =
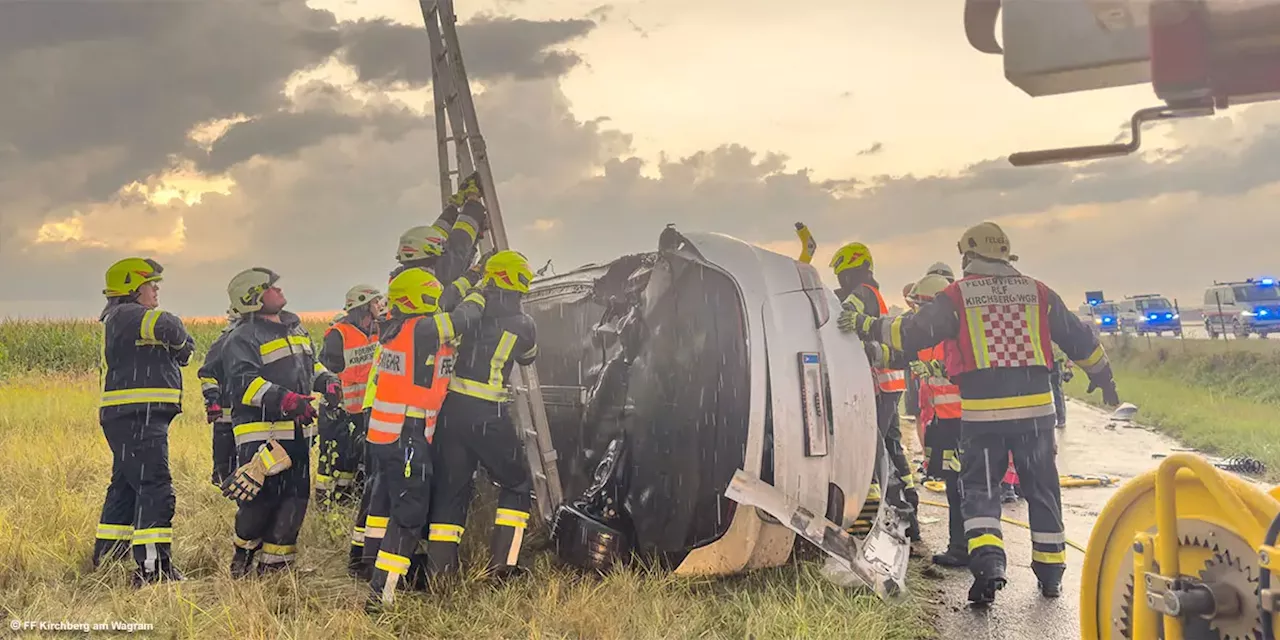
[{"x": 456, "y": 122}]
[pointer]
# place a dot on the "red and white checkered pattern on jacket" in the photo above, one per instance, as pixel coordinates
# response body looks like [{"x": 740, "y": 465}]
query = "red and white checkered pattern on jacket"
[{"x": 1008, "y": 336}]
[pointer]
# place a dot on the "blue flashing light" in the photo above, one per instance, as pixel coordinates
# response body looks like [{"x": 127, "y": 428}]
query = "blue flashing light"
[
  {"x": 1267, "y": 282},
  {"x": 1108, "y": 320},
  {"x": 1261, "y": 312},
  {"x": 1168, "y": 316}
]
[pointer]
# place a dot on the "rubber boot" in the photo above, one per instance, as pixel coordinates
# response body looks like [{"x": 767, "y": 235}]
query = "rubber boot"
[
  {"x": 957, "y": 558},
  {"x": 242, "y": 562},
  {"x": 1009, "y": 495},
  {"x": 983, "y": 591},
  {"x": 110, "y": 551},
  {"x": 356, "y": 567},
  {"x": 274, "y": 567},
  {"x": 167, "y": 573}
]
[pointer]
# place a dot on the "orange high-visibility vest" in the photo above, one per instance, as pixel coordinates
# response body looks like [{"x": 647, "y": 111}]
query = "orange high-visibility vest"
[
  {"x": 398, "y": 397},
  {"x": 940, "y": 394},
  {"x": 887, "y": 380},
  {"x": 357, "y": 356}
]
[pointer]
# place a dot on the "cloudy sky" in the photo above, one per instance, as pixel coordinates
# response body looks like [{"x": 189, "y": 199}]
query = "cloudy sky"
[{"x": 216, "y": 135}]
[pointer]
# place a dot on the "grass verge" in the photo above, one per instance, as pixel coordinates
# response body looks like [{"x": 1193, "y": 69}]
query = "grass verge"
[
  {"x": 1218, "y": 399},
  {"x": 56, "y": 470}
]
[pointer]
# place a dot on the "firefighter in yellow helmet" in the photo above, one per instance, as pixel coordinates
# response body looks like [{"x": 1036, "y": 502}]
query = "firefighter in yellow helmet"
[
  {"x": 347, "y": 351},
  {"x": 859, "y": 290},
  {"x": 143, "y": 351},
  {"x": 445, "y": 249},
  {"x": 271, "y": 371},
  {"x": 416, "y": 354},
  {"x": 1003, "y": 326},
  {"x": 476, "y": 424}
]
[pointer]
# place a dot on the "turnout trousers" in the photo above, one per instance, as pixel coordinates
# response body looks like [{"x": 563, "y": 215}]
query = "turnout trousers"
[
  {"x": 984, "y": 459},
  {"x": 943, "y": 450},
  {"x": 901, "y": 475},
  {"x": 224, "y": 451},
  {"x": 267, "y": 526},
  {"x": 404, "y": 472},
  {"x": 374, "y": 513},
  {"x": 473, "y": 431},
  {"x": 341, "y": 445},
  {"x": 137, "y": 511}
]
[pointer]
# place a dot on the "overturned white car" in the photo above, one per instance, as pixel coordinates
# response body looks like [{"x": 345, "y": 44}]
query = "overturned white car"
[{"x": 705, "y": 410}]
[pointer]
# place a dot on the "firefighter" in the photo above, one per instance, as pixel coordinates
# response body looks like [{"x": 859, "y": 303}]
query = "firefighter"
[
  {"x": 143, "y": 352},
  {"x": 347, "y": 351},
  {"x": 446, "y": 256},
  {"x": 217, "y": 404},
  {"x": 271, "y": 372},
  {"x": 430, "y": 247},
  {"x": 911, "y": 395},
  {"x": 476, "y": 425},
  {"x": 1002, "y": 325},
  {"x": 415, "y": 362},
  {"x": 854, "y": 269},
  {"x": 940, "y": 410}
]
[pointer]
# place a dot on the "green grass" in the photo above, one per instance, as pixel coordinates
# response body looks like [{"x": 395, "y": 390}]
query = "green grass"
[
  {"x": 1217, "y": 397},
  {"x": 56, "y": 467}
]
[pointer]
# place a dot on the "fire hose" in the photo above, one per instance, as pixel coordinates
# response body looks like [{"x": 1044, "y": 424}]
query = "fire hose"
[{"x": 1019, "y": 523}]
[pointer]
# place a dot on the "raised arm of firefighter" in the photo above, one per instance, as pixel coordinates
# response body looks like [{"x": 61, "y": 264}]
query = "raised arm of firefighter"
[
  {"x": 447, "y": 326},
  {"x": 1078, "y": 342},
  {"x": 249, "y": 389},
  {"x": 460, "y": 246}
]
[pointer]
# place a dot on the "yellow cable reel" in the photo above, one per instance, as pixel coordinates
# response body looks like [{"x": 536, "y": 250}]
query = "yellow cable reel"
[{"x": 1185, "y": 520}]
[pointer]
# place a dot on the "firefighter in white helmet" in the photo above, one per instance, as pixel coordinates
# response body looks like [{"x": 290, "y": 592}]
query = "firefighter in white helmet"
[
  {"x": 999, "y": 327},
  {"x": 271, "y": 371},
  {"x": 448, "y": 246},
  {"x": 347, "y": 351}
]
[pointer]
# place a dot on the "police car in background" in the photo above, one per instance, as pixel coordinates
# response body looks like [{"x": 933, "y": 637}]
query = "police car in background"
[
  {"x": 1242, "y": 308},
  {"x": 1099, "y": 312},
  {"x": 1148, "y": 313}
]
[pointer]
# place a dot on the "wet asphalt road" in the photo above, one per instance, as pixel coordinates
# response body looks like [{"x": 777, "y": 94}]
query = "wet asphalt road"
[{"x": 1086, "y": 446}]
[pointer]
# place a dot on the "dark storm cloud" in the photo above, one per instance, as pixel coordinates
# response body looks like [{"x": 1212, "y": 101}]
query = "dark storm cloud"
[
  {"x": 391, "y": 54},
  {"x": 134, "y": 77}
]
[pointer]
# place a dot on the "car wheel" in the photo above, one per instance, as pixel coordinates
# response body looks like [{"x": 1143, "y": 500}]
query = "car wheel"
[{"x": 1240, "y": 331}]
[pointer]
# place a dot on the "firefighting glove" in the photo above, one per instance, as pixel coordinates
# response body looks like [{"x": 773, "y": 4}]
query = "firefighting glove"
[
  {"x": 212, "y": 412},
  {"x": 333, "y": 393},
  {"x": 468, "y": 189},
  {"x": 1109, "y": 395},
  {"x": 246, "y": 482},
  {"x": 920, "y": 369},
  {"x": 855, "y": 321},
  {"x": 297, "y": 406}
]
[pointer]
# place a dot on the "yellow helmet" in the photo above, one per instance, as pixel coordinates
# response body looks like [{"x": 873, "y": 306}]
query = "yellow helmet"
[
  {"x": 852, "y": 256},
  {"x": 415, "y": 292},
  {"x": 125, "y": 276},
  {"x": 508, "y": 270},
  {"x": 987, "y": 240},
  {"x": 421, "y": 242},
  {"x": 927, "y": 288},
  {"x": 360, "y": 295},
  {"x": 246, "y": 289}
]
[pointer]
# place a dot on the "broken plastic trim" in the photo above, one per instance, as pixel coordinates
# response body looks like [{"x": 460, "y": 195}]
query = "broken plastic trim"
[
  {"x": 1092, "y": 152},
  {"x": 878, "y": 563}
]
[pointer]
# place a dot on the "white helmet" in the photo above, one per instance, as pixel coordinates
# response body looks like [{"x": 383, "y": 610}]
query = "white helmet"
[
  {"x": 421, "y": 242},
  {"x": 987, "y": 240},
  {"x": 246, "y": 289},
  {"x": 361, "y": 295},
  {"x": 941, "y": 269}
]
